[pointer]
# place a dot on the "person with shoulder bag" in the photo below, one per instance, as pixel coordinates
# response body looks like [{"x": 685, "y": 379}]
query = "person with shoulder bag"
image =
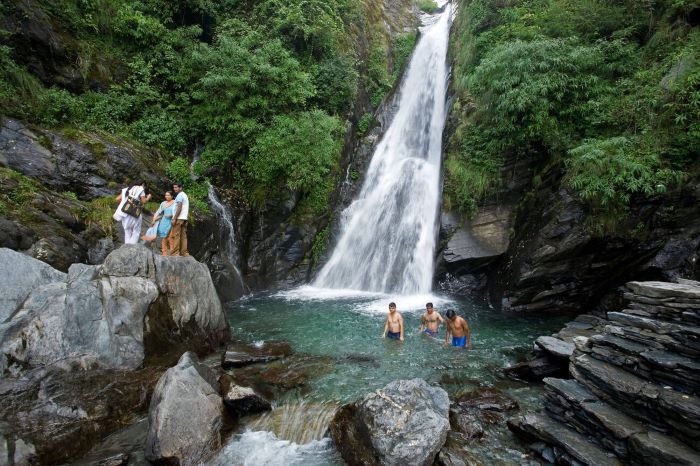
[{"x": 131, "y": 202}]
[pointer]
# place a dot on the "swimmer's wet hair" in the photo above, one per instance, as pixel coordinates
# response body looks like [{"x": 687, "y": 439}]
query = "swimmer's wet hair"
[
  {"x": 430, "y": 305},
  {"x": 450, "y": 313},
  {"x": 392, "y": 304}
]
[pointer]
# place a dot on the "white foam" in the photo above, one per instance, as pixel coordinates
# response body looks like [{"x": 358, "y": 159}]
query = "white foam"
[
  {"x": 261, "y": 447},
  {"x": 366, "y": 302}
]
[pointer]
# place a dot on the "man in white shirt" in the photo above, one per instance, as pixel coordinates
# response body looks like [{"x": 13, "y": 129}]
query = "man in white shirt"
[{"x": 178, "y": 232}]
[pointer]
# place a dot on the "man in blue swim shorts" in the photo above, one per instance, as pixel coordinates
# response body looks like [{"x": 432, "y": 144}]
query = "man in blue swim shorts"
[
  {"x": 430, "y": 321},
  {"x": 394, "y": 324},
  {"x": 458, "y": 329}
]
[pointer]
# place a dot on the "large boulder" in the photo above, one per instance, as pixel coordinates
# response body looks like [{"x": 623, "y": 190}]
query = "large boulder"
[
  {"x": 21, "y": 278},
  {"x": 405, "y": 423},
  {"x": 185, "y": 416},
  {"x": 138, "y": 307}
]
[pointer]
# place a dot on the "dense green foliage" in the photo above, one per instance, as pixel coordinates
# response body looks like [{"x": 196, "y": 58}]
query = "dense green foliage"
[
  {"x": 428, "y": 6},
  {"x": 609, "y": 87},
  {"x": 263, "y": 86}
]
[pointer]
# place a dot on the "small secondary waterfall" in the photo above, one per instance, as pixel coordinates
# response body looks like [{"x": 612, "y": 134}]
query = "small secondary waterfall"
[
  {"x": 388, "y": 234},
  {"x": 229, "y": 236}
]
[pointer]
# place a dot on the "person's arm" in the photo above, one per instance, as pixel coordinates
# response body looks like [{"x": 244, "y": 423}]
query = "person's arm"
[
  {"x": 386, "y": 326},
  {"x": 401, "y": 327},
  {"x": 422, "y": 323},
  {"x": 469, "y": 334},
  {"x": 448, "y": 332},
  {"x": 157, "y": 215}
]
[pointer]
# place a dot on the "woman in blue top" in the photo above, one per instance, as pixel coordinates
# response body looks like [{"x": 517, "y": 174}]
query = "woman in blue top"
[{"x": 164, "y": 216}]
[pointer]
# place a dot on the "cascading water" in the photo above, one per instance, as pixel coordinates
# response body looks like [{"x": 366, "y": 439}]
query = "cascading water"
[
  {"x": 388, "y": 234},
  {"x": 229, "y": 237}
]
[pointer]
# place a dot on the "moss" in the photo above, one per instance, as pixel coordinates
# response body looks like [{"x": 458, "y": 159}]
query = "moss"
[
  {"x": 320, "y": 244},
  {"x": 45, "y": 141},
  {"x": 99, "y": 212}
]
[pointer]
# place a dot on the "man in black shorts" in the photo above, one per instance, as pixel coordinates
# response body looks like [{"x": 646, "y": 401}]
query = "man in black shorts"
[{"x": 394, "y": 324}]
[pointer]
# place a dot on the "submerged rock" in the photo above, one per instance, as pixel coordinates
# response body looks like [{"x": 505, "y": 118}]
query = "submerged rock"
[
  {"x": 489, "y": 399},
  {"x": 453, "y": 452},
  {"x": 135, "y": 308},
  {"x": 405, "y": 423},
  {"x": 242, "y": 354},
  {"x": 185, "y": 415}
]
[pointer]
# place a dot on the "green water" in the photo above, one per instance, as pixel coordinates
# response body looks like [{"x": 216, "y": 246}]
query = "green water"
[{"x": 346, "y": 330}]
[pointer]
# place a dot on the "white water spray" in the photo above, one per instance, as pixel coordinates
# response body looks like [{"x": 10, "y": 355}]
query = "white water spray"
[
  {"x": 229, "y": 235},
  {"x": 389, "y": 232}
]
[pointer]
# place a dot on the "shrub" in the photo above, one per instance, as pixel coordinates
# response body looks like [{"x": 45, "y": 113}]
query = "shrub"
[
  {"x": 364, "y": 124},
  {"x": 336, "y": 81},
  {"x": 403, "y": 46},
  {"x": 320, "y": 244},
  {"x": 297, "y": 151},
  {"x": 607, "y": 172},
  {"x": 427, "y": 6},
  {"x": 158, "y": 128}
]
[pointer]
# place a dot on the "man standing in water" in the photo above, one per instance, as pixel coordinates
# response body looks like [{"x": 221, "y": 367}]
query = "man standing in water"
[
  {"x": 459, "y": 329},
  {"x": 430, "y": 321},
  {"x": 394, "y": 324}
]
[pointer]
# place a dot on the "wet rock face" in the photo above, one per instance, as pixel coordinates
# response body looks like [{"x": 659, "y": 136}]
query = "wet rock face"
[
  {"x": 405, "y": 423},
  {"x": 185, "y": 415},
  {"x": 136, "y": 308},
  {"x": 555, "y": 263}
]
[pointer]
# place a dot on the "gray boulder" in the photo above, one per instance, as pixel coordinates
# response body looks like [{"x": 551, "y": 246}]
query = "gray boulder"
[
  {"x": 185, "y": 415},
  {"x": 135, "y": 308},
  {"x": 405, "y": 423},
  {"x": 20, "y": 275}
]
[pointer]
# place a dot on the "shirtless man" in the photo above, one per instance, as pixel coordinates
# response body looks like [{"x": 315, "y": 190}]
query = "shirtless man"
[
  {"x": 459, "y": 329},
  {"x": 394, "y": 324},
  {"x": 430, "y": 321}
]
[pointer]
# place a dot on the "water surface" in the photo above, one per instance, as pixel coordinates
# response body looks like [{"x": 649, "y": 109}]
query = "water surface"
[{"x": 345, "y": 328}]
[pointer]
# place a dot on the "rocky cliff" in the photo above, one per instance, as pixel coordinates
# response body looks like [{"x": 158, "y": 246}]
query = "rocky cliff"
[
  {"x": 632, "y": 393},
  {"x": 536, "y": 247}
]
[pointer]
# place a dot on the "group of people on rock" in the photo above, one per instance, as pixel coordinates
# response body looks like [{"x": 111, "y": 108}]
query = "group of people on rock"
[
  {"x": 169, "y": 223},
  {"x": 430, "y": 321}
]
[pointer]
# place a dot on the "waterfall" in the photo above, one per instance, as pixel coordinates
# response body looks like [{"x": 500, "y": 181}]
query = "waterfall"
[
  {"x": 229, "y": 236},
  {"x": 298, "y": 422},
  {"x": 388, "y": 233}
]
